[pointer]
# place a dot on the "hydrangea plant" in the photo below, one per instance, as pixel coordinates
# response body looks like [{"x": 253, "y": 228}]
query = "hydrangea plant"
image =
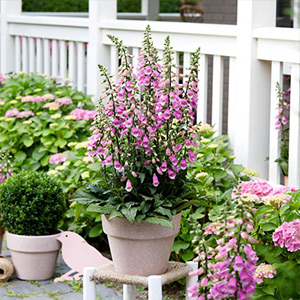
[
  {"x": 39, "y": 117},
  {"x": 144, "y": 137}
]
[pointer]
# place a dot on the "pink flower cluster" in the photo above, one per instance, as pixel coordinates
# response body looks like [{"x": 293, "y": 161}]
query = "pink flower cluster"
[
  {"x": 83, "y": 114},
  {"x": 148, "y": 114},
  {"x": 264, "y": 271},
  {"x": 288, "y": 235},
  {"x": 19, "y": 114},
  {"x": 11, "y": 113},
  {"x": 258, "y": 187},
  {"x": 223, "y": 273},
  {"x": 32, "y": 99},
  {"x": 64, "y": 101},
  {"x": 25, "y": 114},
  {"x": 57, "y": 158}
]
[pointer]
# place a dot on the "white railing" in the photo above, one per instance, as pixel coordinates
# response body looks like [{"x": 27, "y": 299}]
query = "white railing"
[{"x": 73, "y": 46}]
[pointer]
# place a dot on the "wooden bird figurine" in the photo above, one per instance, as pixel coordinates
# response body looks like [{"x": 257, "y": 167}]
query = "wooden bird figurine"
[{"x": 78, "y": 254}]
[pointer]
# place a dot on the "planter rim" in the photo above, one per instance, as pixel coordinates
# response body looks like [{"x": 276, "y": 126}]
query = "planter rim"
[
  {"x": 35, "y": 236},
  {"x": 33, "y": 244},
  {"x": 122, "y": 228}
]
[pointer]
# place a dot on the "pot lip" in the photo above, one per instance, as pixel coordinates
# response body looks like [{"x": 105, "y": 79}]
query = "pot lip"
[{"x": 34, "y": 236}]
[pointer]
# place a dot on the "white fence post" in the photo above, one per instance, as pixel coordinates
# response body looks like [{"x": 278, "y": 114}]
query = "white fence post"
[
  {"x": 97, "y": 52},
  {"x": 7, "y": 44},
  {"x": 253, "y": 86}
]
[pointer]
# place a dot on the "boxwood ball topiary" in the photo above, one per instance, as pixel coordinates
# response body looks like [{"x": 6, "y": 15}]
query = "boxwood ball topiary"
[{"x": 31, "y": 203}]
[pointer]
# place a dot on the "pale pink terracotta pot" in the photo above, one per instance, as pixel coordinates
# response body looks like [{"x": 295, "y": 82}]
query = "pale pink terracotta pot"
[
  {"x": 140, "y": 249},
  {"x": 34, "y": 257}
]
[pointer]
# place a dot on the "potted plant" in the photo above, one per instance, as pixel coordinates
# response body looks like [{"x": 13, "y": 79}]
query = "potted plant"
[
  {"x": 31, "y": 205},
  {"x": 144, "y": 137}
]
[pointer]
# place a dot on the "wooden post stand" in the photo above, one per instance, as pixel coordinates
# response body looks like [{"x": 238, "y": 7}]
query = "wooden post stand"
[{"x": 154, "y": 283}]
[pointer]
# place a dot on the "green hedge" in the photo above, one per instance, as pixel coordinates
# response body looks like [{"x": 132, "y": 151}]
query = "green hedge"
[{"x": 166, "y": 6}]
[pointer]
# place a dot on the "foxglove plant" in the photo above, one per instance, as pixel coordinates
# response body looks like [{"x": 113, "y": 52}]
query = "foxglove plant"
[
  {"x": 281, "y": 125},
  {"x": 144, "y": 136},
  {"x": 227, "y": 260}
]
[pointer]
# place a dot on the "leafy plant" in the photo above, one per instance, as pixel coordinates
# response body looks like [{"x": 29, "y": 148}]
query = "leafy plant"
[
  {"x": 31, "y": 203},
  {"x": 39, "y": 117}
]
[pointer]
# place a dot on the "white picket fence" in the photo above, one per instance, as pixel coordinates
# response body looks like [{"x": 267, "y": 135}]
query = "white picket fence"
[{"x": 72, "y": 47}]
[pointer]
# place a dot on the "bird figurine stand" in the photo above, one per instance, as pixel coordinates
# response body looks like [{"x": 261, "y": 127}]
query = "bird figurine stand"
[{"x": 78, "y": 254}]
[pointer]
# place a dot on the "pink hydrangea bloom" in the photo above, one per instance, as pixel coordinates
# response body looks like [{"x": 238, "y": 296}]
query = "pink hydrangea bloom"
[
  {"x": 83, "y": 114},
  {"x": 11, "y": 113},
  {"x": 51, "y": 105},
  {"x": 282, "y": 190},
  {"x": 47, "y": 97},
  {"x": 25, "y": 114},
  {"x": 264, "y": 271},
  {"x": 288, "y": 235},
  {"x": 259, "y": 188},
  {"x": 57, "y": 158},
  {"x": 64, "y": 101}
]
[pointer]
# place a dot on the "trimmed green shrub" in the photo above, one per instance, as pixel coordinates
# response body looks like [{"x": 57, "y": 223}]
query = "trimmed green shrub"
[{"x": 31, "y": 203}]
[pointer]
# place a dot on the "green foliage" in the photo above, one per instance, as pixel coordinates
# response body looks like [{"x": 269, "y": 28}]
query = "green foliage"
[
  {"x": 129, "y": 5},
  {"x": 31, "y": 203},
  {"x": 166, "y": 6},
  {"x": 213, "y": 176},
  {"x": 33, "y": 139},
  {"x": 55, "y": 5},
  {"x": 284, "y": 285}
]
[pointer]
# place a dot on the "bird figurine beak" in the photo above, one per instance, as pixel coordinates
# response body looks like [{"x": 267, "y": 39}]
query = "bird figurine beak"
[{"x": 58, "y": 238}]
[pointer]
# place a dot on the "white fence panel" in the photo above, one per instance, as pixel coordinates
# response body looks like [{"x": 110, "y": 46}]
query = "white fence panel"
[{"x": 294, "y": 138}]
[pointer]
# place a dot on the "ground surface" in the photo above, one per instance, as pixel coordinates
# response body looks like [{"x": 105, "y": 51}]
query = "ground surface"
[{"x": 16, "y": 289}]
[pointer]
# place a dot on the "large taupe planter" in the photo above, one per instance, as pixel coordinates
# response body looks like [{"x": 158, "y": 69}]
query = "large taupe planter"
[
  {"x": 34, "y": 257},
  {"x": 140, "y": 249}
]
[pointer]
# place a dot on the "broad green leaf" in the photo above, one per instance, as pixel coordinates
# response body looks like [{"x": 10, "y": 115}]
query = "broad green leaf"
[
  {"x": 105, "y": 210},
  {"x": 269, "y": 226},
  {"x": 37, "y": 154},
  {"x": 220, "y": 174},
  {"x": 115, "y": 214},
  {"x": 188, "y": 255},
  {"x": 164, "y": 211},
  {"x": 180, "y": 245},
  {"x": 160, "y": 221},
  {"x": 95, "y": 231},
  {"x": 20, "y": 156},
  {"x": 142, "y": 177},
  {"x": 61, "y": 143},
  {"x": 129, "y": 213},
  {"x": 82, "y": 196}
]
